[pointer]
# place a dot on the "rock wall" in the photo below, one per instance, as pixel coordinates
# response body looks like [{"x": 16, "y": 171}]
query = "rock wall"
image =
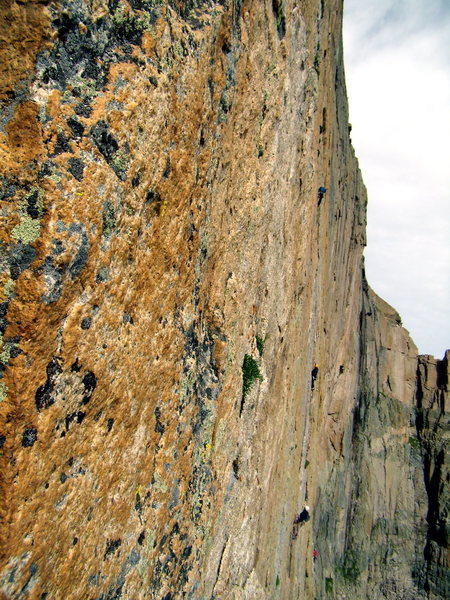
[
  {"x": 383, "y": 505},
  {"x": 169, "y": 278}
]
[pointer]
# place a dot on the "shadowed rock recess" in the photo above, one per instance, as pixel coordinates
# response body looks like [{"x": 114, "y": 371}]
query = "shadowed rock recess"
[{"x": 169, "y": 277}]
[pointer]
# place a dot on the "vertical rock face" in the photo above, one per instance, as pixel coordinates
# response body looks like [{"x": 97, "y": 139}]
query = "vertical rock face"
[
  {"x": 383, "y": 507},
  {"x": 169, "y": 278}
]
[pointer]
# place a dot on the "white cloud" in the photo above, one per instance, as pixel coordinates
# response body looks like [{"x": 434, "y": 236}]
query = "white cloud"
[{"x": 398, "y": 80}]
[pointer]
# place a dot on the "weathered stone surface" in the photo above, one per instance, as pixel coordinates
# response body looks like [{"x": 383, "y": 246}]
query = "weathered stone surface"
[
  {"x": 383, "y": 507},
  {"x": 169, "y": 278}
]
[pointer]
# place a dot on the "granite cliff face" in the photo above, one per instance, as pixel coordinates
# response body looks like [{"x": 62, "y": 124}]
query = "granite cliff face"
[{"x": 169, "y": 278}]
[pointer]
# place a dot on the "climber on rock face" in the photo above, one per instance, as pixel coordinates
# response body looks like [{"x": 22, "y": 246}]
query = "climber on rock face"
[
  {"x": 321, "y": 193},
  {"x": 303, "y": 517},
  {"x": 314, "y": 374}
]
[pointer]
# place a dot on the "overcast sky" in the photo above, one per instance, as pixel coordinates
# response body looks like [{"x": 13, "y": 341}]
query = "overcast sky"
[{"x": 397, "y": 59}]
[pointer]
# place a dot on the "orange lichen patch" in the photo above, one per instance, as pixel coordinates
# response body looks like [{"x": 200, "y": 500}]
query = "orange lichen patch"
[
  {"x": 25, "y": 291},
  {"x": 24, "y": 137},
  {"x": 125, "y": 70},
  {"x": 24, "y": 31},
  {"x": 148, "y": 43},
  {"x": 53, "y": 107},
  {"x": 161, "y": 24}
]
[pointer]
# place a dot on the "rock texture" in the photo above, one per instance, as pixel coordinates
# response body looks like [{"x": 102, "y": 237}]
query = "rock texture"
[
  {"x": 383, "y": 507},
  {"x": 169, "y": 278}
]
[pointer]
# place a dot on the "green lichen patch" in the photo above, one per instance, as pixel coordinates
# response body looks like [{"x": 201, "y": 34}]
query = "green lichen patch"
[
  {"x": 128, "y": 26},
  {"x": 86, "y": 87},
  {"x": 158, "y": 483},
  {"x": 250, "y": 374},
  {"x": 350, "y": 568},
  {"x": 5, "y": 353},
  {"x": 108, "y": 219},
  {"x": 260, "y": 345},
  {"x": 8, "y": 288},
  {"x": 119, "y": 164},
  {"x": 3, "y": 391},
  {"x": 33, "y": 204},
  {"x": 414, "y": 442},
  {"x": 27, "y": 231},
  {"x": 55, "y": 178},
  {"x": 329, "y": 585}
]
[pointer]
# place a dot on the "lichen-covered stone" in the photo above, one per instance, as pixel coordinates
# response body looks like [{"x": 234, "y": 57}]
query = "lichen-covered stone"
[{"x": 161, "y": 161}]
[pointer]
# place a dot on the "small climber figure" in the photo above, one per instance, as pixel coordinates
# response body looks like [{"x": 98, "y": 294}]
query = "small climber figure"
[
  {"x": 314, "y": 374},
  {"x": 321, "y": 194},
  {"x": 303, "y": 517},
  {"x": 315, "y": 555}
]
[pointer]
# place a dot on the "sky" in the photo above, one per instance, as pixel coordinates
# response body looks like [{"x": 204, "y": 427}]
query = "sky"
[{"x": 397, "y": 62}]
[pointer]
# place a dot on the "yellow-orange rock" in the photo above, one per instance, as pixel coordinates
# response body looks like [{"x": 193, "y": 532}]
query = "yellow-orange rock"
[{"x": 170, "y": 278}]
